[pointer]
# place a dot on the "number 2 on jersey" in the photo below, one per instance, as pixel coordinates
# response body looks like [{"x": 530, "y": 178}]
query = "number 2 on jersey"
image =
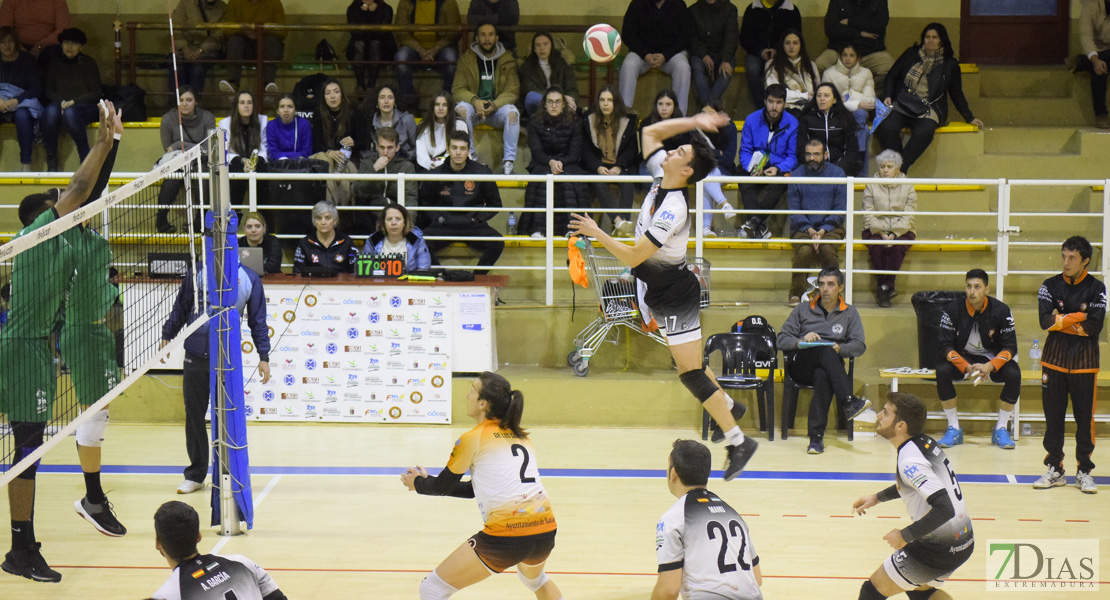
[
  {"x": 736, "y": 530},
  {"x": 523, "y": 464}
]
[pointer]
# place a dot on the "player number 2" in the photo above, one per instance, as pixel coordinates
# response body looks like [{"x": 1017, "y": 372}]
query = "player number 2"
[
  {"x": 523, "y": 464},
  {"x": 736, "y": 530},
  {"x": 955, "y": 484}
]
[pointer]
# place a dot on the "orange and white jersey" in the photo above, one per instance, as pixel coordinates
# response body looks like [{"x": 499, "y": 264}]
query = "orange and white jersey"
[{"x": 506, "y": 480}]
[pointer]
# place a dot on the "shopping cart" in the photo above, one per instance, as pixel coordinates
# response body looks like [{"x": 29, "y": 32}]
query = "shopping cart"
[{"x": 615, "y": 286}]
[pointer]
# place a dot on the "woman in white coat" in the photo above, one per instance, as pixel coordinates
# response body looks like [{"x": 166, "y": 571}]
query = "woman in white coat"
[{"x": 857, "y": 89}]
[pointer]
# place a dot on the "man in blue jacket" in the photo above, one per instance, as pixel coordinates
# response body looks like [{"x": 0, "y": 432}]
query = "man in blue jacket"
[
  {"x": 767, "y": 149},
  {"x": 195, "y": 381},
  {"x": 815, "y": 227}
]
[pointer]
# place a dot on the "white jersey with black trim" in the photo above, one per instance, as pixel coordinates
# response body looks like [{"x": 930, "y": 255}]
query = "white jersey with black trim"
[
  {"x": 216, "y": 577},
  {"x": 664, "y": 218},
  {"x": 710, "y": 542},
  {"x": 923, "y": 470}
]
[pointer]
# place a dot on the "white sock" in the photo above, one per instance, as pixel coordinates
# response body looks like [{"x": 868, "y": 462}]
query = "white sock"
[
  {"x": 953, "y": 421},
  {"x": 734, "y": 437},
  {"x": 1003, "y": 418}
]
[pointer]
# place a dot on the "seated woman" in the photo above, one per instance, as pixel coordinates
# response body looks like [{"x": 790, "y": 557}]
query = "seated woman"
[
  {"x": 20, "y": 88},
  {"x": 369, "y": 45},
  {"x": 610, "y": 146},
  {"x": 545, "y": 68},
  {"x": 245, "y": 132},
  {"x": 397, "y": 235},
  {"x": 196, "y": 123},
  {"x": 724, "y": 150},
  {"x": 901, "y": 200},
  {"x": 72, "y": 90},
  {"x": 384, "y": 113},
  {"x": 289, "y": 136},
  {"x": 792, "y": 67},
  {"x": 666, "y": 107},
  {"x": 917, "y": 89},
  {"x": 325, "y": 251},
  {"x": 340, "y": 134},
  {"x": 256, "y": 236},
  {"x": 856, "y": 86},
  {"x": 825, "y": 118},
  {"x": 434, "y": 131},
  {"x": 555, "y": 139}
]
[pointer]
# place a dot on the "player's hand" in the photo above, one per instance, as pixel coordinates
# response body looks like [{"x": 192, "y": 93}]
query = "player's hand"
[
  {"x": 163, "y": 345},
  {"x": 865, "y": 502},
  {"x": 107, "y": 121},
  {"x": 264, "y": 370},
  {"x": 894, "y": 538},
  {"x": 710, "y": 122},
  {"x": 408, "y": 478},
  {"x": 118, "y": 130},
  {"x": 585, "y": 225},
  {"x": 812, "y": 337},
  {"x": 983, "y": 369}
]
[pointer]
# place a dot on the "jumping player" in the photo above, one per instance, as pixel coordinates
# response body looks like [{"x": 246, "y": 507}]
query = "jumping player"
[
  {"x": 658, "y": 259},
  {"x": 505, "y": 479},
  {"x": 940, "y": 538},
  {"x": 703, "y": 546}
]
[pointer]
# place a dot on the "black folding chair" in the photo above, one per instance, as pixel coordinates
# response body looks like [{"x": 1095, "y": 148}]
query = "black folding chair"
[
  {"x": 790, "y": 387},
  {"x": 741, "y": 355}
]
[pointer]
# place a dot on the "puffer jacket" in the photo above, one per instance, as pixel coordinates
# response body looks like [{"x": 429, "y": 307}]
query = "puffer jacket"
[
  {"x": 855, "y": 85},
  {"x": 561, "y": 140},
  {"x": 837, "y": 129},
  {"x": 895, "y": 197}
]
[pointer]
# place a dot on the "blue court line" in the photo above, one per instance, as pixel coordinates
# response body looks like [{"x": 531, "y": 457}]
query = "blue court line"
[{"x": 579, "y": 473}]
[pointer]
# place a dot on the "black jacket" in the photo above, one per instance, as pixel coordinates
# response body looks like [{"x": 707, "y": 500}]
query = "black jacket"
[
  {"x": 716, "y": 30},
  {"x": 649, "y": 30},
  {"x": 271, "y": 253},
  {"x": 761, "y": 27},
  {"x": 460, "y": 193},
  {"x": 996, "y": 331},
  {"x": 1072, "y": 345},
  {"x": 871, "y": 16},
  {"x": 944, "y": 82},
  {"x": 532, "y": 78},
  {"x": 339, "y": 257},
  {"x": 357, "y": 127},
  {"x": 561, "y": 141},
  {"x": 382, "y": 15},
  {"x": 628, "y": 145},
  {"x": 838, "y": 133}
]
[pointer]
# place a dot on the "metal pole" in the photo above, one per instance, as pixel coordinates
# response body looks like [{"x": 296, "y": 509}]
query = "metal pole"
[
  {"x": 699, "y": 215},
  {"x": 1002, "y": 256},
  {"x": 1105, "y": 229},
  {"x": 849, "y": 239},
  {"x": 400, "y": 199},
  {"x": 549, "y": 243}
]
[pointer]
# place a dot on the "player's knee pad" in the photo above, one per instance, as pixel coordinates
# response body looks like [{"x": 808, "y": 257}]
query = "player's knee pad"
[
  {"x": 435, "y": 588},
  {"x": 28, "y": 437},
  {"x": 699, "y": 384},
  {"x": 90, "y": 433},
  {"x": 533, "y": 584},
  {"x": 869, "y": 592}
]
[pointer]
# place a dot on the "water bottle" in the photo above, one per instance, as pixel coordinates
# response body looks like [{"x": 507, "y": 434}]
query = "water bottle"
[
  {"x": 511, "y": 223},
  {"x": 346, "y": 152},
  {"x": 1035, "y": 356}
]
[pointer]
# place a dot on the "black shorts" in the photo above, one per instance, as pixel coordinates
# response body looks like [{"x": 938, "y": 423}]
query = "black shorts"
[
  {"x": 919, "y": 564},
  {"x": 673, "y": 295},
  {"x": 501, "y": 552}
]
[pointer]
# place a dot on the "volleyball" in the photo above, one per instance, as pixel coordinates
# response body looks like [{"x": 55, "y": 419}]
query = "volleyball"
[{"x": 602, "y": 43}]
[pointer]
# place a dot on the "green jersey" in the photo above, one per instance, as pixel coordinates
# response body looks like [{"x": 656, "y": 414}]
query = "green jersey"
[
  {"x": 91, "y": 293},
  {"x": 40, "y": 276}
]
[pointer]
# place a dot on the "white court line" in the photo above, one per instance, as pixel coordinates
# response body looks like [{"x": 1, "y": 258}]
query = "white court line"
[
  {"x": 224, "y": 539},
  {"x": 1011, "y": 479}
]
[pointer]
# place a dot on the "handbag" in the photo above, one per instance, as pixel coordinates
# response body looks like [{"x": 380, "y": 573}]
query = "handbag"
[{"x": 910, "y": 104}]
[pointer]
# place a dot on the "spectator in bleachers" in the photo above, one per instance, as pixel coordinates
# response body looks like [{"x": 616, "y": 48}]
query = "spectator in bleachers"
[
  {"x": 768, "y": 148},
  {"x": 425, "y": 46},
  {"x": 38, "y": 24},
  {"x": 369, "y": 45},
  {"x": 462, "y": 194},
  {"x": 256, "y": 235},
  {"x": 434, "y": 130},
  {"x": 713, "y": 48},
  {"x": 900, "y": 199},
  {"x": 724, "y": 151},
  {"x": 487, "y": 88},
  {"x": 243, "y": 46},
  {"x": 666, "y": 102},
  {"x": 761, "y": 29},
  {"x": 290, "y": 135},
  {"x": 196, "y": 123},
  {"x": 545, "y": 67},
  {"x": 192, "y": 45},
  {"x": 20, "y": 88},
  {"x": 815, "y": 227},
  {"x": 555, "y": 139},
  {"x": 610, "y": 146},
  {"x": 396, "y": 234},
  {"x": 1094, "y": 41},
  {"x": 792, "y": 67},
  {"x": 825, "y": 318},
  {"x": 861, "y": 23},
  {"x": 384, "y": 112},
  {"x": 340, "y": 134},
  {"x": 325, "y": 251},
  {"x": 857, "y": 89},
  {"x": 72, "y": 92},
  {"x": 245, "y": 133},
  {"x": 498, "y": 12},
  {"x": 657, "y": 35},
  {"x": 917, "y": 90},
  {"x": 826, "y": 119},
  {"x": 388, "y": 160}
]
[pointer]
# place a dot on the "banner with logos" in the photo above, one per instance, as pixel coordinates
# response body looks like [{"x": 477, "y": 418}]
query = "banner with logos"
[{"x": 351, "y": 353}]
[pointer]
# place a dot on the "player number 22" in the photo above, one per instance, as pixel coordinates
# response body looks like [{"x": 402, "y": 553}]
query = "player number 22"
[
  {"x": 523, "y": 464},
  {"x": 736, "y": 530}
]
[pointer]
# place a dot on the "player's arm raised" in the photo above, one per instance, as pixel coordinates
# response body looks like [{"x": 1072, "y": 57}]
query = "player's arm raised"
[
  {"x": 83, "y": 180},
  {"x": 654, "y": 134}
]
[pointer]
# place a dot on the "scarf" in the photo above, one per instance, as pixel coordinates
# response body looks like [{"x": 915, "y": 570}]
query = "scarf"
[{"x": 929, "y": 61}]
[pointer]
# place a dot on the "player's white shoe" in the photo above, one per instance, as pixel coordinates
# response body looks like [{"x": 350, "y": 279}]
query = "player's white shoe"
[
  {"x": 1085, "y": 483},
  {"x": 1052, "y": 478},
  {"x": 188, "y": 487}
]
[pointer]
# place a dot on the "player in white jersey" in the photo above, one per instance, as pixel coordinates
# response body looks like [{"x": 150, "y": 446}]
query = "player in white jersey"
[
  {"x": 940, "y": 538},
  {"x": 704, "y": 548},
  {"x": 199, "y": 576},
  {"x": 658, "y": 260},
  {"x": 505, "y": 480}
]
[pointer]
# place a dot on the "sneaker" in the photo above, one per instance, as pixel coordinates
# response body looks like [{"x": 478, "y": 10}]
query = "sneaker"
[
  {"x": 1002, "y": 439},
  {"x": 707, "y": 232},
  {"x": 793, "y": 301},
  {"x": 188, "y": 486},
  {"x": 271, "y": 88},
  {"x": 52, "y": 165},
  {"x": 166, "y": 228},
  {"x": 507, "y": 167},
  {"x": 730, "y": 212},
  {"x": 882, "y": 298},
  {"x": 227, "y": 86},
  {"x": 748, "y": 229},
  {"x": 815, "y": 447},
  {"x": 537, "y": 234},
  {"x": 1085, "y": 483},
  {"x": 952, "y": 437},
  {"x": 29, "y": 563},
  {"x": 1102, "y": 122},
  {"x": 738, "y": 457},
  {"x": 761, "y": 232},
  {"x": 101, "y": 516},
  {"x": 1051, "y": 478},
  {"x": 738, "y": 411},
  {"x": 625, "y": 228},
  {"x": 855, "y": 406}
]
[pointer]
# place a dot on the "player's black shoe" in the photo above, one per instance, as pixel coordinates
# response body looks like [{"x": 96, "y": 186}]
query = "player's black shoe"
[
  {"x": 718, "y": 435},
  {"x": 738, "y": 457},
  {"x": 855, "y": 406},
  {"x": 29, "y": 563},
  {"x": 101, "y": 516}
]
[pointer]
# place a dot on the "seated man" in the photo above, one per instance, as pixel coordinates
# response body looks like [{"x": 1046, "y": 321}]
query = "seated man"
[
  {"x": 713, "y": 48},
  {"x": 487, "y": 87},
  {"x": 388, "y": 161},
  {"x": 861, "y": 23},
  {"x": 767, "y": 149},
  {"x": 978, "y": 340},
  {"x": 657, "y": 35},
  {"x": 243, "y": 46},
  {"x": 460, "y": 194},
  {"x": 1094, "y": 39},
  {"x": 498, "y": 12},
  {"x": 815, "y": 227},
  {"x": 823, "y": 332},
  {"x": 440, "y": 46}
]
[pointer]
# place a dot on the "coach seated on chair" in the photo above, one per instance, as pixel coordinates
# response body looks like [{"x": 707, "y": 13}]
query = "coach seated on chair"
[
  {"x": 822, "y": 333},
  {"x": 978, "y": 340},
  {"x": 325, "y": 252}
]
